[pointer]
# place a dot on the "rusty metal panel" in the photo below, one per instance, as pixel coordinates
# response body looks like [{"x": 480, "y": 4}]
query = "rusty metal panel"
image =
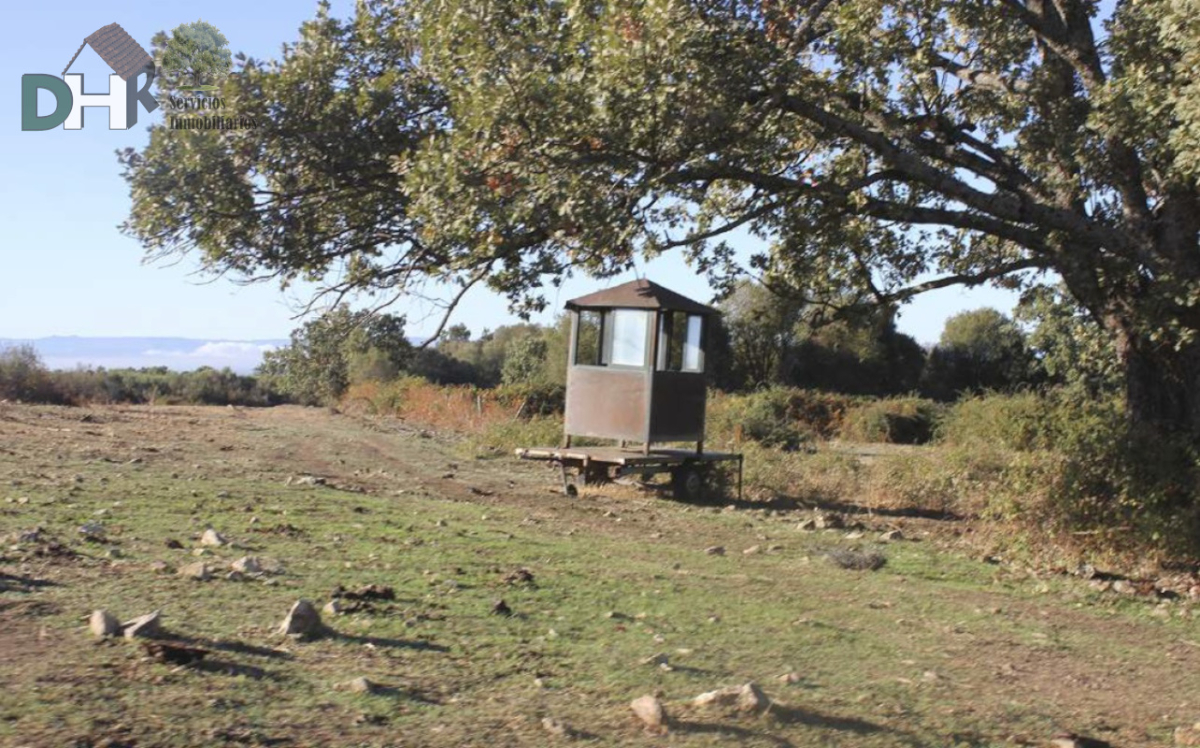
[
  {"x": 607, "y": 402},
  {"x": 677, "y": 406}
]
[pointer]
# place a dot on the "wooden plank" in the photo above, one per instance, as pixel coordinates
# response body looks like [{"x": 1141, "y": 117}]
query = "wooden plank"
[{"x": 615, "y": 456}]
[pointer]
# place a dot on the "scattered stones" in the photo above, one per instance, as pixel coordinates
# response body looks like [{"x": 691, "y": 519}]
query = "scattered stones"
[
  {"x": 92, "y": 531},
  {"x": 659, "y": 660},
  {"x": 555, "y": 728},
  {"x": 332, "y": 608},
  {"x": 307, "y": 480},
  {"x": 103, "y": 624},
  {"x": 500, "y": 608},
  {"x": 651, "y": 712},
  {"x": 1188, "y": 736},
  {"x": 891, "y": 536},
  {"x": 302, "y": 621},
  {"x": 1123, "y": 587},
  {"x": 198, "y": 571},
  {"x": 807, "y": 525},
  {"x": 160, "y": 567},
  {"x": 212, "y": 538},
  {"x": 143, "y": 627},
  {"x": 715, "y": 550},
  {"x": 247, "y": 565},
  {"x": 857, "y": 560},
  {"x": 828, "y": 521},
  {"x": 520, "y": 576},
  {"x": 30, "y": 536},
  {"x": 366, "y": 592},
  {"x": 752, "y": 550},
  {"x": 173, "y": 543},
  {"x": 789, "y": 678}
]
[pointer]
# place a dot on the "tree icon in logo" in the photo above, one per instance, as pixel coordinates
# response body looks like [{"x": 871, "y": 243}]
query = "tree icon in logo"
[{"x": 196, "y": 49}]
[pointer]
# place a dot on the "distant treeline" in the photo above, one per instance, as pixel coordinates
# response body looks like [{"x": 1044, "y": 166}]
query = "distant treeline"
[{"x": 23, "y": 377}]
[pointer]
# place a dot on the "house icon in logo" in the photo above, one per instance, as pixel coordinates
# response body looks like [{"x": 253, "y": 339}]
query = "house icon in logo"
[
  {"x": 127, "y": 59},
  {"x": 123, "y": 54}
]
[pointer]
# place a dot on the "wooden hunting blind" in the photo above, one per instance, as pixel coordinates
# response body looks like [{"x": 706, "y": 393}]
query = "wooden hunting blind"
[{"x": 636, "y": 367}]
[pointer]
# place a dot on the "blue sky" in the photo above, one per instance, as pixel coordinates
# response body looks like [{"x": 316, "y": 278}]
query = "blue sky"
[{"x": 67, "y": 270}]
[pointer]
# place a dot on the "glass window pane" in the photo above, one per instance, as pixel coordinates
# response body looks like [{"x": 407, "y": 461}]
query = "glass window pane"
[
  {"x": 692, "y": 358},
  {"x": 587, "y": 342},
  {"x": 629, "y": 337},
  {"x": 671, "y": 332}
]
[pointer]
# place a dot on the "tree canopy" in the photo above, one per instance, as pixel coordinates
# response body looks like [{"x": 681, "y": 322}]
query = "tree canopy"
[
  {"x": 198, "y": 49},
  {"x": 882, "y": 148}
]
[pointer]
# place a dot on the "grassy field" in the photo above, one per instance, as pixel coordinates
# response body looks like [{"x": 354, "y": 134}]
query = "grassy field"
[{"x": 621, "y": 599}]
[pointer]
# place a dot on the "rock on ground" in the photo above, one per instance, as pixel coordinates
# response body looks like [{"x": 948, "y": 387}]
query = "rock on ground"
[
  {"x": 747, "y": 698},
  {"x": 103, "y": 623},
  {"x": 1188, "y": 736},
  {"x": 143, "y": 627},
  {"x": 554, "y": 727},
  {"x": 302, "y": 621},
  {"x": 212, "y": 537},
  {"x": 198, "y": 571},
  {"x": 651, "y": 712},
  {"x": 247, "y": 565},
  {"x": 360, "y": 685}
]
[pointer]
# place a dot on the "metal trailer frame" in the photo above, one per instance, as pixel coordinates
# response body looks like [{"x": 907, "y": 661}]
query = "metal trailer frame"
[{"x": 588, "y": 465}]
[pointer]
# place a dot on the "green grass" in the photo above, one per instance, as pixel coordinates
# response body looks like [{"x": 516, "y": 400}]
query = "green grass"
[{"x": 909, "y": 655}]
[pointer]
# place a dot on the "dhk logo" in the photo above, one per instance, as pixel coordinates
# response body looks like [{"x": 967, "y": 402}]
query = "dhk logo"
[{"x": 127, "y": 60}]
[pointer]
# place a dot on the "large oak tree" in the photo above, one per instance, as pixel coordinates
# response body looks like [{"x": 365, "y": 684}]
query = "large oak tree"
[{"x": 883, "y": 148}]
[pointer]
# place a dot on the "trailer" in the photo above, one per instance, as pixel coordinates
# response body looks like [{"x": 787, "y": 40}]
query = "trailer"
[{"x": 691, "y": 472}]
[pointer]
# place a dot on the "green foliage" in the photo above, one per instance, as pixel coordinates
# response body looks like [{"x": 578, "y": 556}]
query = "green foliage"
[
  {"x": 760, "y": 330},
  {"x": 775, "y": 417},
  {"x": 1070, "y": 346},
  {"x": 901, "y": 420},
  {"x": 979, "y": 350},
  {"x": 524, "y": 361},
  {"x": 338, "y": 348},
  {"x": 862, "y": 354},
  {"x": 197, "y": 49}
]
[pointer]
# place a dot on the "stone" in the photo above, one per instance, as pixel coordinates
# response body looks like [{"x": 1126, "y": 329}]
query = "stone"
[
  {"x": 302, "y": 621},
  {"x": 554, "y": 727},
  {"x": 235, "y": 576},
  {"x": 789, "y": 678},
  {"x": 651, "y": 712},
  {"x": 160, "y": 567},
  {"x": 1188, "y": 736},
  {"x": 715, "y": 550},
  {"x": 198, "y": 571},
  {"x": 102, "y": 623},
  {"x": 747, "y": 698},
  {"x": 143, "y": 627},
  {"x": 500, "y": 608},
  {"x": 247, "y": 565},
  {"x": 360, "y": 685},
  {"x": 827, "y": 521},
  {"x": 332, "y": 608},
  {"x": 752, "y": 550},
  {"x": 807, "y": 525},
  {"x": 309, "y": 480},
  {"x": 891, "y": 536},
  {"x": 212, "y": 537}
]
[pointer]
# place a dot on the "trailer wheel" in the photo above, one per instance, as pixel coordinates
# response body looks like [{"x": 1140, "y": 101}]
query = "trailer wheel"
[{"x": 688, "y": 483}]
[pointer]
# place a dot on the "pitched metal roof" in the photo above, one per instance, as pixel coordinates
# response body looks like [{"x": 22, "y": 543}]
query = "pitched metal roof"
[
  {"x": 123, "y": 54},
  {"x": 639, "y": 294}
]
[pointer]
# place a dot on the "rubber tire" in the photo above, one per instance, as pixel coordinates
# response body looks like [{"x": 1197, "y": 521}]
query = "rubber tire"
[{"x": 688, "y": 484}]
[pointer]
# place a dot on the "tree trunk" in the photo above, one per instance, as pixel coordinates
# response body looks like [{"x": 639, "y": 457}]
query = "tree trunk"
[{"x": 1162, "y": 386}]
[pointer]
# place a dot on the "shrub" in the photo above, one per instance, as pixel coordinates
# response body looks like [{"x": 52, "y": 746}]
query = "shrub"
[
  {"x": 904, "y": 420},
  {"x": 775, "y": 417},
  {"x": 23, "y": 376}
]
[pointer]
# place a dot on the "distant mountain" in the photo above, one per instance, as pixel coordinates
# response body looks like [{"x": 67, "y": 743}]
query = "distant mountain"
[{"x": 68, "y": 352}]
